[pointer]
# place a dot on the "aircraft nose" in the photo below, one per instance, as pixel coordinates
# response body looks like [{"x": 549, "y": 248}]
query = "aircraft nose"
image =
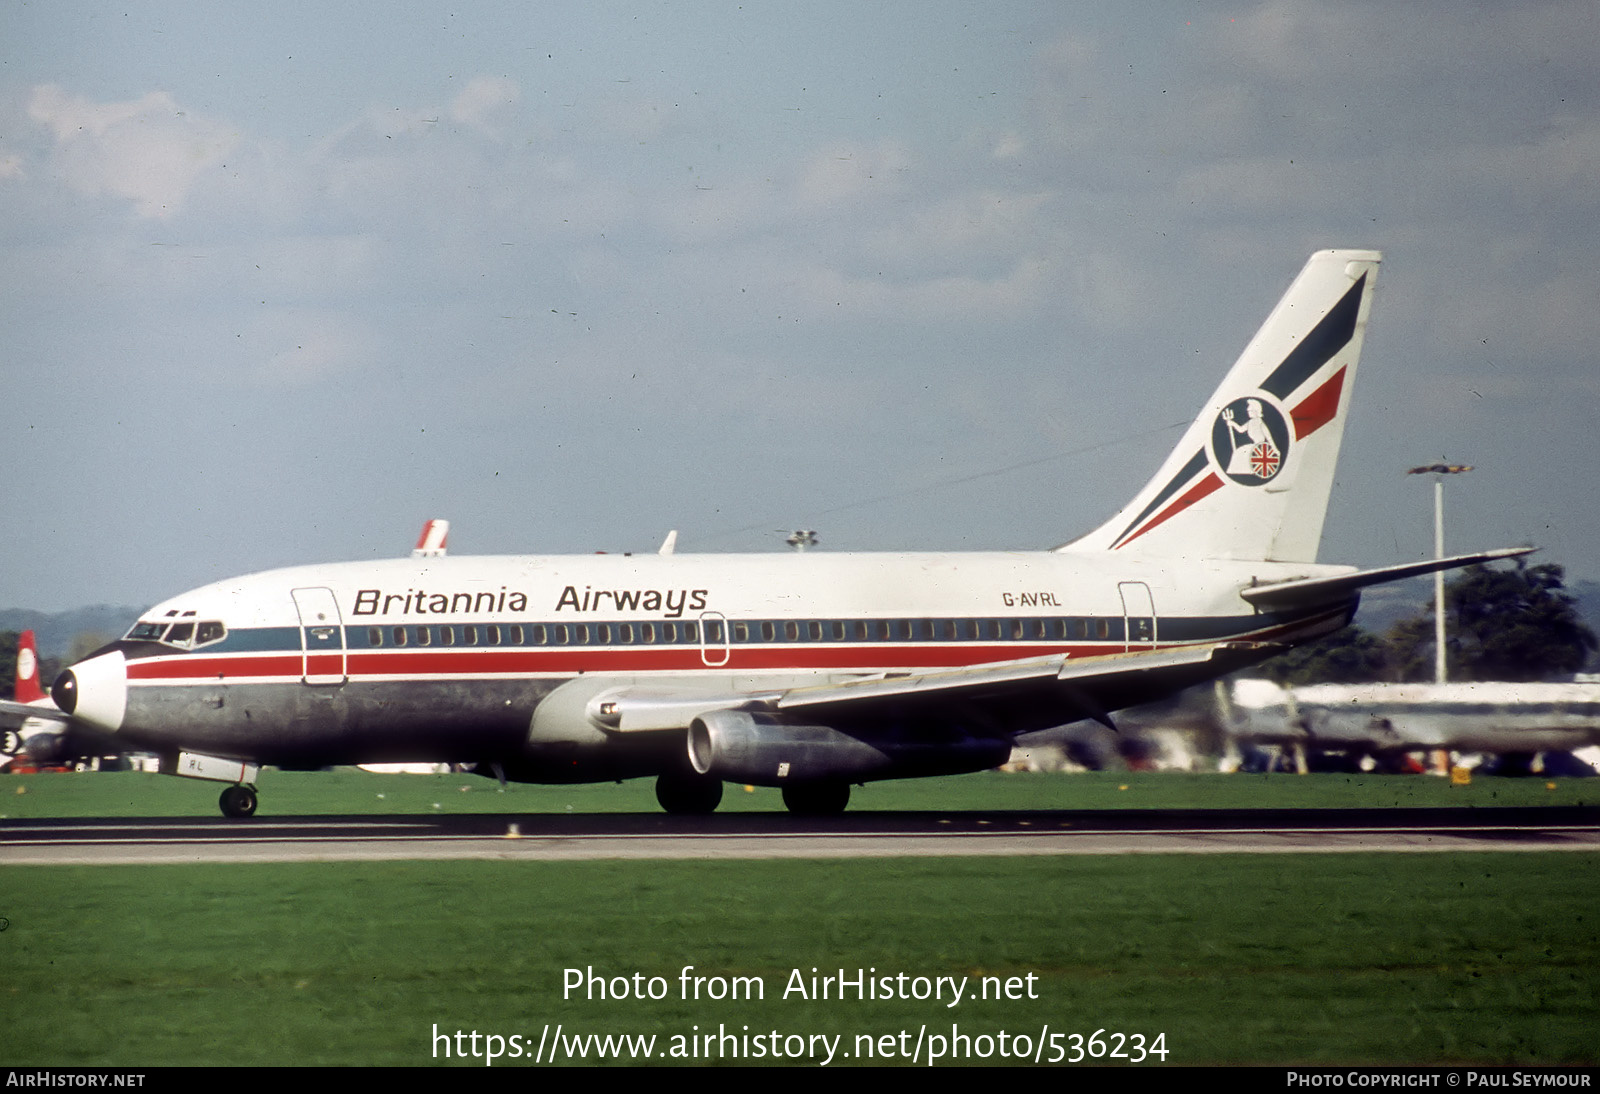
[{"x": 95, "y": 691}]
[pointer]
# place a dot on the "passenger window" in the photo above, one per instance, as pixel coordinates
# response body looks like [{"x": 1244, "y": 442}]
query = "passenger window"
[
  {"x": 469, "y": 635},
  {"x": 791, "y": 631},
  {"x": 741, "y": 632},
  {"x": 374, "y": 636},
  {"x": 492, "y": 634},
  {"x": 424, "y": 636},
  {"x": 399, "y": 636},
  {"x": 540, "y": 636},
  {"x": 625, "y": 633},
  {"x": 516, "y": 634},
  {"x": 447, "y": 636}
]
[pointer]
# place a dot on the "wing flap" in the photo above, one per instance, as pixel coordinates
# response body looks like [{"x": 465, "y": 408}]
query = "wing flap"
[{"x": 1036, "y": 692}]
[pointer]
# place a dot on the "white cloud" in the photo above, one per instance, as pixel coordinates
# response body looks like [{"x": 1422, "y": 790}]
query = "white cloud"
[
  {"x": 148, "y": 150},
  {"x": 1017, "y": 292},
  {"x": 1009, "y": 147},
  {"x": 849, "y": 172},
  {"x": 482, "y": 99},
  {"x": 311, "y": 347}
]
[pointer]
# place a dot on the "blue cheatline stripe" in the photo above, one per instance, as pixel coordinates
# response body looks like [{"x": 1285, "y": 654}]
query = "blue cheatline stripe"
[
  {"x": 1317, "y": 348},
  {"x": 1196, "y": 464},
  {"x": 895, "y": 632}
]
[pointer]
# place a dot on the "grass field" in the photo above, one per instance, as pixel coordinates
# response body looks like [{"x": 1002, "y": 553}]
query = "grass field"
[
  {"x": 1236, "y": 959},
  {"x": 1336, "y": 959},
  {"x": 284, "y": 793}
]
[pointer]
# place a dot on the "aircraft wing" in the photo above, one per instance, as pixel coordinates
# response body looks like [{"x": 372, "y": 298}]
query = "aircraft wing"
[
  {"x": 1005, "y": 697},
  {"x": 1316, "y": 590},
  {"x": 16, "y": 713}
]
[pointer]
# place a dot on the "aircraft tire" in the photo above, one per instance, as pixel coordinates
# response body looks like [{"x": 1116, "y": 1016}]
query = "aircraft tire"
[
  {"x": 817, "y": 799},
  {"x": 689, "y": 795},
  {"x": 238, "y": 801}
]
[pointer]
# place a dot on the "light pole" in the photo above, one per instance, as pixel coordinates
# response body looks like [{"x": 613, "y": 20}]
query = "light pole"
[{"x": 1439, "y": 471}]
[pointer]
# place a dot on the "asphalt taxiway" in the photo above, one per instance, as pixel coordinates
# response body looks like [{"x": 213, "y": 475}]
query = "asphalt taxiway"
[{"x": 780, "y": 835}]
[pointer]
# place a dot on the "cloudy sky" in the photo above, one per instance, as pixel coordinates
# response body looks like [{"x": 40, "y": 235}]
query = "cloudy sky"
[{"x": 281, "y": 281}]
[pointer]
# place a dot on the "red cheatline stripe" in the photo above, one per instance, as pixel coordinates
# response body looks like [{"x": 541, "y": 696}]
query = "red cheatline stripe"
[
  {"x": 1194, "y": 494},
  {"x": 1317, "y": 409},
  {"x": 570, "y": 661}
]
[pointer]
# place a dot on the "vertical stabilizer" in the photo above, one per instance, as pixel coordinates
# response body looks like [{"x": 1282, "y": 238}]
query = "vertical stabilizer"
[
  {"x": 28, "y": 689},
  {"x": 1251, "y": 477},
  {"x": 434, "y": 541}
]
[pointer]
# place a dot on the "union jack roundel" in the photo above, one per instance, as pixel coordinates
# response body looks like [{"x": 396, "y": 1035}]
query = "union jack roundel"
[
  {"x": 1250, "y": 440},
  {"x": 1264, "y": 460}
]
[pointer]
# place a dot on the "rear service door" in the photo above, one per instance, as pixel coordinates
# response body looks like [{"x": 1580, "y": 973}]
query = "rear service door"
[
  {"x": 321, "y": 637},
  {"x": 1138, "y": 616}
]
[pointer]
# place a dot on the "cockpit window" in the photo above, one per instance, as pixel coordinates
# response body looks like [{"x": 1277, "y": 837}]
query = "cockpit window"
[{"x": 186, "y": 634}]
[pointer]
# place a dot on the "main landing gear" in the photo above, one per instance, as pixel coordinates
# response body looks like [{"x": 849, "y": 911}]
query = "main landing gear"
[
  {"x": 817, "y": 799},
  {"x": 238, "y": 801},
  {"x": 689, "y": 795}
]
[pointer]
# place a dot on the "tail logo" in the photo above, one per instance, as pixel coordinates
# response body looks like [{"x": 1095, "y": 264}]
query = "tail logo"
[
  {"x": 27, "y": 664},
  {"x": 1250, "y": 441}
]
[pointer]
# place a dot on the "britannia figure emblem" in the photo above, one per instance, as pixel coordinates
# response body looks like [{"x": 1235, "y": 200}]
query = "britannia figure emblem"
[{"x": 1250, "y": 439}]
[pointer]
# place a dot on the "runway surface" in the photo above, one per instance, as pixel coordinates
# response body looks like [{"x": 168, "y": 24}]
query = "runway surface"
[{"x": 779, "y": 835}]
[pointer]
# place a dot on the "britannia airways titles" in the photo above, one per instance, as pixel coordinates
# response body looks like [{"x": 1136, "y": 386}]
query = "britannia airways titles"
[{"x": 672, "y": 603}]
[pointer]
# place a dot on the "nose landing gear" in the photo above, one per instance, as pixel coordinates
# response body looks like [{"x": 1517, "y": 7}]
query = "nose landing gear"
[{"x": 238, "y": 801}]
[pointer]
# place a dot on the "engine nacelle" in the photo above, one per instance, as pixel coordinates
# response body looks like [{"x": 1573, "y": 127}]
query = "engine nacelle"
[{"x": 775, "y": 750}]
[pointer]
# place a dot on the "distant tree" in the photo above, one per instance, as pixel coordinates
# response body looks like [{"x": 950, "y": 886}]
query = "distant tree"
[
  {"x": 49, "y": 667},
  {"x": 1350, "y": 656},
  {"x": 8, "y": 664},
  {"x": 1508, "y": 624},
  {"x": 85, "y": 643}
]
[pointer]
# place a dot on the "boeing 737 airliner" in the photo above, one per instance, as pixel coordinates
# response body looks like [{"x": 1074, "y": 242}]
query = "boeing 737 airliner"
[{"x": 807, "y": 671}]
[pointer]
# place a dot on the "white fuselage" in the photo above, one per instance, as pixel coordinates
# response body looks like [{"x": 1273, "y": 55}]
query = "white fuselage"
[{"x": 451, "y": 659}]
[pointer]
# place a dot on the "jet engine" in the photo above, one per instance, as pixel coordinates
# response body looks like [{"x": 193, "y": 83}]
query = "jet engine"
[{"x": 774, "y": 750}]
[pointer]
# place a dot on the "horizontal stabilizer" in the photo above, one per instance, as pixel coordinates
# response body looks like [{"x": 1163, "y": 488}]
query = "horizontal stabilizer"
[{"x": 1318, "y": 590}]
